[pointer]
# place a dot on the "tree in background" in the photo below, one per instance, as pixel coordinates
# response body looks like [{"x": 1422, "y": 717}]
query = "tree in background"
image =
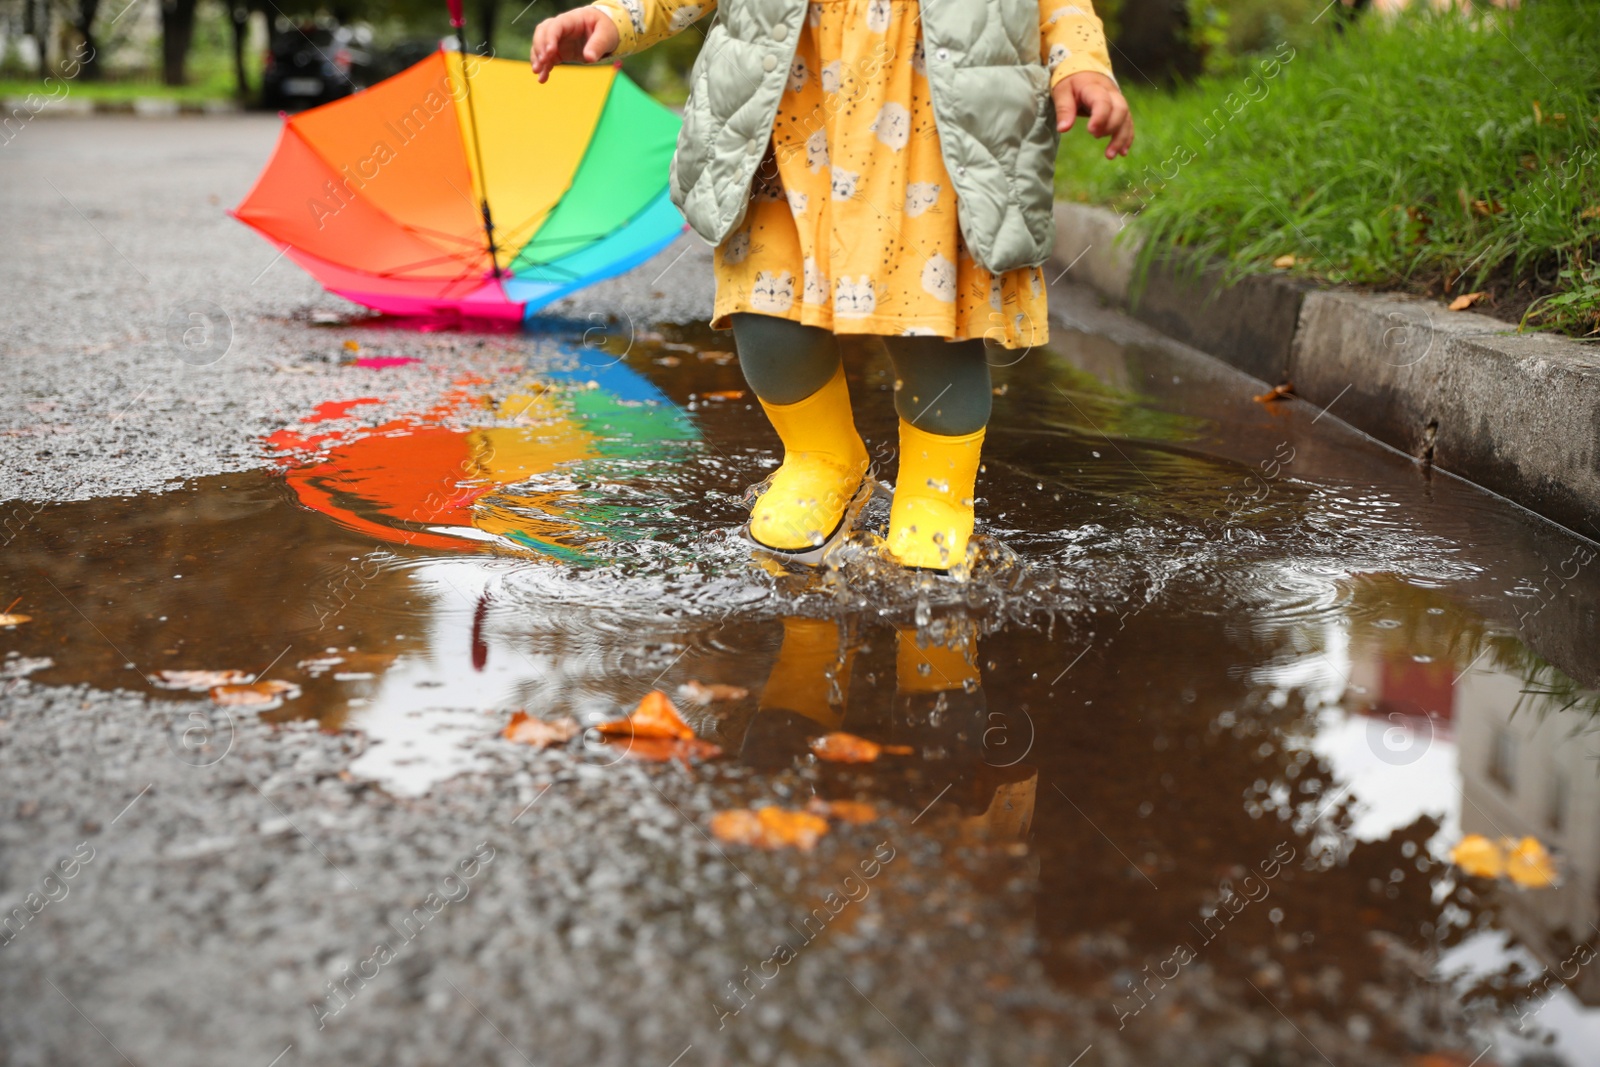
[
  {"x": 177, "y": 34},
  {"x": 91, "y": 69}
]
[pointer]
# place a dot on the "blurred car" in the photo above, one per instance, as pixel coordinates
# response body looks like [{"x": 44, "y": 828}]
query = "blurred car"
[
  {"x": 406, "y": 53},
  {"x": 309, "y": 64}
]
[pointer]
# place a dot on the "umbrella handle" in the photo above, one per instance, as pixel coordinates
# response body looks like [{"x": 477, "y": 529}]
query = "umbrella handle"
[{"x": 457, "y": 17}]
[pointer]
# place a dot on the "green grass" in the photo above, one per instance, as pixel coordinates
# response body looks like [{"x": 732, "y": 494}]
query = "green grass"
[
  {"x": 1437, "y": 154},
  {"x": 216, "y": 86}
]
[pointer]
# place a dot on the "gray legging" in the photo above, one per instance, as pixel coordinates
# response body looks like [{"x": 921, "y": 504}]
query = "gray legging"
[{"x": 944, "y": 385}]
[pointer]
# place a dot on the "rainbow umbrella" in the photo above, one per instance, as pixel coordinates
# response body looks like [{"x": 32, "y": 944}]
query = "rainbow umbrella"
[{"x": 463, "y": 187}]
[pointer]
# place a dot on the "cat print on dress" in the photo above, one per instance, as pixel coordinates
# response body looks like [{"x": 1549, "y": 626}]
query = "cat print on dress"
[
  {"x": 878, "y": 16},
  {"x": 1058, "y": 54},
  {"x": 893, "y": 125},
  {"x": 684, "y": 17},
  {"x": 798, "y": 74},
  {"x": 1035, "y": 282},
  {"x": 635, "y": 10},
  {"x": 737, "y": 248},
  {"x": 773, "y": 291},
  {"x": 844, "y": 183},
  {"x": 817, "y": 151},
  {"x": 798, "y": 201},
  {"x": 939, "y": 278},
  {"x": 1062, "y": 12},
  {"x": 920, "y": 196},
  {"x": 816, "y": 284},
  {"x": 919, "y": 58},
  {"x": 854, "y": 299},
  {"x": 994, "y": 291},
  {"x": 814, "y": 15},
  {"x": 830, "y": 77}
]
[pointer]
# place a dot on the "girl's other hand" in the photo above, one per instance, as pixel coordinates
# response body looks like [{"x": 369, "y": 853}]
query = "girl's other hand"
[
  {"x": 1095, "y": 95},
  {"x": 582, "y": 35}
]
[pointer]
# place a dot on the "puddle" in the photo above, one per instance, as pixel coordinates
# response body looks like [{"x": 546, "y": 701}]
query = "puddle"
[{"x": 1210, "y": 644}]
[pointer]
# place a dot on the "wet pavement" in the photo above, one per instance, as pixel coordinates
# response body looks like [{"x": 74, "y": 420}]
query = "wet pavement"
[{"x": 1187, "y": 753}]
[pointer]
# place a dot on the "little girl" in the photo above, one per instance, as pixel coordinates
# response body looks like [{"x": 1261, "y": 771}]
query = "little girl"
[{"x": 875, "y": 167}]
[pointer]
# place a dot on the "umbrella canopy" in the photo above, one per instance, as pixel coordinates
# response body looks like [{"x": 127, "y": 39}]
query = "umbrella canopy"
[{"x": 479, "y": 192}]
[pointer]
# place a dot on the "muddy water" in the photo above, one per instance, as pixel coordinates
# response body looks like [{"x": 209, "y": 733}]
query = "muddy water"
[{"x": 1234, "y": 678}]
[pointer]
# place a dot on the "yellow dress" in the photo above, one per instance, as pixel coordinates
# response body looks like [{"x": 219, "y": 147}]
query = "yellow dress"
[{"x": 852, "y": 223}]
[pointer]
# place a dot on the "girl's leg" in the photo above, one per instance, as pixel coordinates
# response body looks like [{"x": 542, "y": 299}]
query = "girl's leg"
[
  {"x": 943, "y": 397},
  {"x": 796, "y": 374},
  {"x": 783, "y": 361},
  {"x": 941, "y": 386}
]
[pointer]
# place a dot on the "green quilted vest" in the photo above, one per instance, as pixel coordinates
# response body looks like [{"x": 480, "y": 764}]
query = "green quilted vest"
[{"x": 991, "y": 104}]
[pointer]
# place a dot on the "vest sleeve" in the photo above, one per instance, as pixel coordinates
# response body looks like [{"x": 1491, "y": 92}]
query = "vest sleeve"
[
  {"x": 1072, "y": 39},
  {"x": 642, "y": 23}
]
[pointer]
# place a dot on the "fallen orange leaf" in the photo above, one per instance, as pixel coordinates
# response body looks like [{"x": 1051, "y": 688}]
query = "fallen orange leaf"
[
  {"x": 255, "y": 694},
  {"x": 839, "y": 747},
  {"x": 1478, "y": 856},
  {"x": 1590, "y": 212},
  {"x": 9, "y": 619},
  {"x": 198, "y": 681},
  {"x": 1284, "y": 262},
  {"x": 1529, "y": 865},
  {"x": 654, "y": 717},
  {"x": 1277, "y": 392},
  {"x": 769, "y": 828},
  {"x": 854, "y": 812},
  {"x": 725, "y": 394},
  {"x": 662, "y": 749},
  {"x": 1466, "y": 300},
  {"x": 708, "y": 693},
  {"x": 524, "y": 729}
]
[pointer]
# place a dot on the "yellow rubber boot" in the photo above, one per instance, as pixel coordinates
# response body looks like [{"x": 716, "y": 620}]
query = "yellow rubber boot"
[
  {"x": 822, "y": 475},
  {"x": 931, "y": 519}
]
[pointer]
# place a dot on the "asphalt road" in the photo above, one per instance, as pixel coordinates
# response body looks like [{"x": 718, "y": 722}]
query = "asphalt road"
[{"x": 219, "y": 907}]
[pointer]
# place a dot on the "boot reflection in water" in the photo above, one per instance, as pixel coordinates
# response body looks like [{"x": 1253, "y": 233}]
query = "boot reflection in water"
[
  {"x": 805, "y": 694},
  {"x": 939, "y": 708},
  {"x": 942, "y": 395}
]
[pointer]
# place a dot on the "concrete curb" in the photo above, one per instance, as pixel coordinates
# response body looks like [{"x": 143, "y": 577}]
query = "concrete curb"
[
  {"x": 142, "y": 106},
  {"x": 1518, "y": 414}
]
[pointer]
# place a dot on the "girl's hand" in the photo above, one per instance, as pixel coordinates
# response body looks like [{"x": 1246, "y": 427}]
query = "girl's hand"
[
  {"x": 582, "y": 35},
  {"x": 1095, "y": 95}
]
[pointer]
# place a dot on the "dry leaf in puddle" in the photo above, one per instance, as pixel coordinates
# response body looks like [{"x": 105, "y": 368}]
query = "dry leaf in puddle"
[
  {"x": 1277, "y": 392},
  {"x": 716, "y": 355},
  {"x": 9, "y": 619},
  {"x": 710, "y": 692},
  {"x": 769, "y": 828},
  {"x": 524, "y": 729},
  {"x": 854, "y": 812},
  {"x": 725, "y": 394},
  {"x": 1528, "y": 864},
  {"x": 1284, "y": 262},
  {"x": 200, "y": 681},
  {"x": 663, "y": 749},
  {"x": 840, "y": 747},
  {"x": 1478, "y": 856},
  {"x": 255, "y": 694},
  {"x": 654, "y": 717},
  {"x": 1466, "y": 300}
]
